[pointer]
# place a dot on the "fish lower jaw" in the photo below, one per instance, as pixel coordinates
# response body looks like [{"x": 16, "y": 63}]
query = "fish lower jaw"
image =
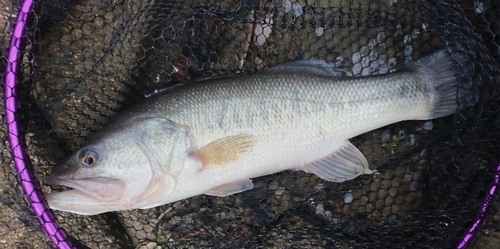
[
  {"x": 98, "y": 188},
  {"x": 78, "y": 202}
]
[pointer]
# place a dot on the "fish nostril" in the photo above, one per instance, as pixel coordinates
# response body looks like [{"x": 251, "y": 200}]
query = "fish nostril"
[
  {"x": 57, "y": 171},
  {"x": 64, "y": 169}
]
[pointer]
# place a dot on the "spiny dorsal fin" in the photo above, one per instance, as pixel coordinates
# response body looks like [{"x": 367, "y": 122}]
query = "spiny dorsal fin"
[{"x": 225, "y": 150}]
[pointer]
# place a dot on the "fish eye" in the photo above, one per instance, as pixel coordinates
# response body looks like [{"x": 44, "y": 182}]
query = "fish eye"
[{"x": 88, "y": 157}]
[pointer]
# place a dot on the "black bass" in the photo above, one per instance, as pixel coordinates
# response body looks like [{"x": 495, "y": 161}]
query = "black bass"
[{"x": 213, "y": 137}]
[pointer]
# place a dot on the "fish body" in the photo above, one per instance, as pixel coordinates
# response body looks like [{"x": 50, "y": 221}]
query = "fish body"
[{"x": 213, "y": 137}]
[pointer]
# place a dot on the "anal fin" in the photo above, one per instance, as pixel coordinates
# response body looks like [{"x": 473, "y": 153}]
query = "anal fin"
[
  {"x": 230, "y": 188},
  {"x": 344, "y": 164}
]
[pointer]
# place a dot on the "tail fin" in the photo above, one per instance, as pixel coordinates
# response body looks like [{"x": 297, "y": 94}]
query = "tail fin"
[{"x": 442, "y": 84}]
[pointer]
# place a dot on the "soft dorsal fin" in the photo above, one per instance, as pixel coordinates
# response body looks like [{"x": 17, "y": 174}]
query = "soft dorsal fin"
[
  {"x": 316, "y": 65},
  {"x": 225, "y": 150},
  {"x": 342, "y": 165}
]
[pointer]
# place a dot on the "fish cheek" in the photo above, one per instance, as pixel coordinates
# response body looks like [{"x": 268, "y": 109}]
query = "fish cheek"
[
  {"x": 160, "y": 188},
  {"x": 141, "y": 172}
]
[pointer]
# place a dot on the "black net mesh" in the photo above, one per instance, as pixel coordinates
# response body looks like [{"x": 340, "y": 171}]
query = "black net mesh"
[{"x": 86, "y": 60}]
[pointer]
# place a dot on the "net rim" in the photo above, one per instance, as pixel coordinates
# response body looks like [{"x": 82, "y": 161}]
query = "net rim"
[
  {"x": 31, "y": 187},
  {"x": 26, "y": 178}
]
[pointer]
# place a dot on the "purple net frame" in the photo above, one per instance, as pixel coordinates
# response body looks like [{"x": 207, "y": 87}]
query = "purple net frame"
[
  {"x": 30, "y": 185},
  {"x": 482, "y": 212},
  {"x": 26, "y": 178}
]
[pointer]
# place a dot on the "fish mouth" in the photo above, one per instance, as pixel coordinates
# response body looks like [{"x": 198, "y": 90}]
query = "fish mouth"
[{"x": 100, "y": 188}]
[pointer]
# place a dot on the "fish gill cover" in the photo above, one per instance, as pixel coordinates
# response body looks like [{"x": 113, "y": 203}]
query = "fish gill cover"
[{"x": 83, "y": 61}]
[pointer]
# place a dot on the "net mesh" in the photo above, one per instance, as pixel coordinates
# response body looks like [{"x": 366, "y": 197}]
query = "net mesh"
[{"x": 86, "y": 60}]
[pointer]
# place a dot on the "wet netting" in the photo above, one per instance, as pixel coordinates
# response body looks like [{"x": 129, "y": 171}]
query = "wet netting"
[{"x": 69, "y": 66}]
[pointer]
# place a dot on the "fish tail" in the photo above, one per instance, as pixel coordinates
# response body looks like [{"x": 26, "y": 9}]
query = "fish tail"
[{"x": 442, "y": 84}]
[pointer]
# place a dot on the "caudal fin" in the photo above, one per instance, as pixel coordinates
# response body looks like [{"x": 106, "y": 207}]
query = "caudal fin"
[{"x": 442, "y": 83}]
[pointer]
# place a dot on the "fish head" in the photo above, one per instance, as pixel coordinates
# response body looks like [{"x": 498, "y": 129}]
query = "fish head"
[{"x": 127, "y": 167}]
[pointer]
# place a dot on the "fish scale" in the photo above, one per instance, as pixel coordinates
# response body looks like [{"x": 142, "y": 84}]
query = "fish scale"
[
  {"x": 269, "y": 100},
  {"x": 212, "y": 137}
]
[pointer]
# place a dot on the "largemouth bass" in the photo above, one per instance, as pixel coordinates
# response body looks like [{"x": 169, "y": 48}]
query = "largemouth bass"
[{"x": 213, "y": 137}]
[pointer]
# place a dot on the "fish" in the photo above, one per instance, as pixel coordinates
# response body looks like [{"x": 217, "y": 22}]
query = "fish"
[{"x": 214, "y": 136}]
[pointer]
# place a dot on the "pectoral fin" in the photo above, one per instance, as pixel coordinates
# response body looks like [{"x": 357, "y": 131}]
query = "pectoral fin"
[
  {"x": 230, "y": 188},
  {"x": 344, "y": 164},
  {"x": 225, "y": 150}
]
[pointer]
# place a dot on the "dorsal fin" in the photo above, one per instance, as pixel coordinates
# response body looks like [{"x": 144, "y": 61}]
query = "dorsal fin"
[{"x": 316, "y": 65}]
